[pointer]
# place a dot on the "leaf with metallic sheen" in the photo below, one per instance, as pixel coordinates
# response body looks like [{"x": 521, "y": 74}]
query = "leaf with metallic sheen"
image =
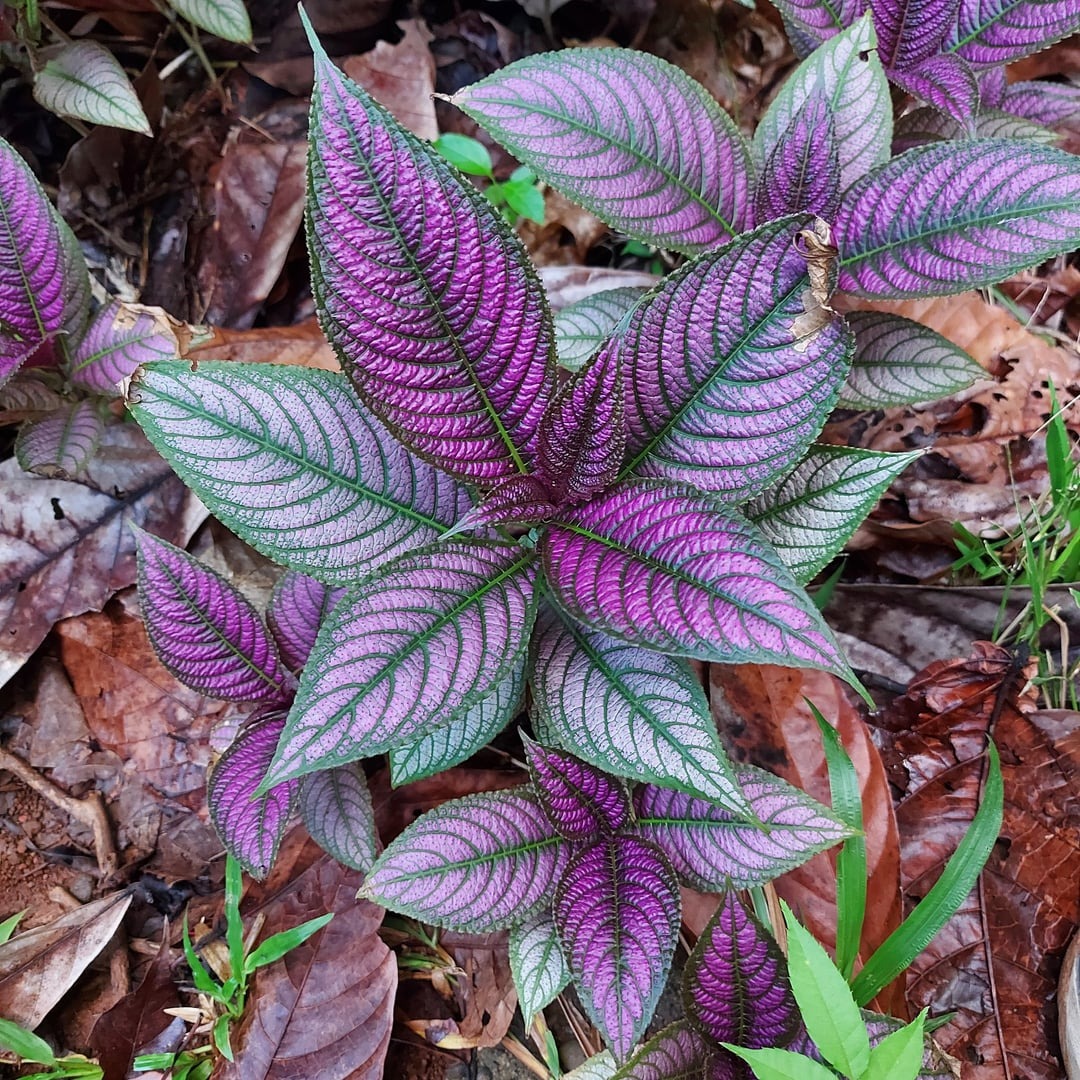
[
  {"x": 911, "y": 31},
  {"x": 61, "y": 444},
  {"x": 810, "y": 514},
  {"x": 413, "y": 647},
  {"x": 476, "y": 864},
  {"x": 120, "y": 338},
  {"x": 713, "y": 850},
  {"x": 732, "y": 365},
  {"x": 626, "y": 135},
  {"x": 810, "y": 23},
  {"x": 289, "y": 460},
  {"x": 848, "y": 72},
  {"x": 582, "y": 327},
  {"x": 298, "y": 606},
  {"x": 537, "y": 963},
  {"x": 227, "y": 19},
  {"x": 250, "y": 826},
  {"x": 618, "y": 912},
  {"x": 335, "y": 805},
  {"x": 674, "y": 569},
  {"x": 631, "y": 711},
  {"x": 947, "y": 83},
  {"x": 992, "y": 32},
  {"x": 900, "y": 362},
  {"x": 425, "y": 293},
  {"x": 204, "y": 631},
  {"x": 948, "y": 217},
  {"x": 600, "y": 1066},
  {"x": 678, "y": 1052},
  {"x": 926, "y": 125},
  {"x": 82, "y": 79},
  {"x": 1044, "y": 103}
]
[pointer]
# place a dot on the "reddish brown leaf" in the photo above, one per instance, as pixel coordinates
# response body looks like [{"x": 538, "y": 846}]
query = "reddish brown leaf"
[
  {"x": 302, "y": 344},
  {"x": 484, "y": 994}
]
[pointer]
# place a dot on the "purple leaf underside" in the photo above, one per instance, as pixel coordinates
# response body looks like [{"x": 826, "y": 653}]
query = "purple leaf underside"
[
  {"x": 628, "y": 136},
  {"x": 673, "y": 569},
  {"x": 926, "y": 125},
  {"x": 537, "y": 963},
  {"x": 458, "y": 365},
  {"x": 117, "y": 341},
  {"x": 994, "y": 32},
  {"x": 476, "y": 864},
  {"x": 289, "y": 460},
  {"x": 618, "y": 912},
  {"x": 414, "y": 647},
  {"x": 713, "y": 850},
  {"x": 298, "y": 606},
  {"x": 204, "y": 631},
  {"x": 335, "y": 805},
  {"x": 947, "y": 83},
  {"x": 61, "y": 444},
  {"x": 679, "y": 1051},
  {"x": 250, "y": 826}
]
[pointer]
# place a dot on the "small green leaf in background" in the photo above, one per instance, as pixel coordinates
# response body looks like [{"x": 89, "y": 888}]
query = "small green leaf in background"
[
  {"x": 781, "y": 1064},
  {"x": 25, "y": 1044},
  {"x": 899, "y": 1056},
  {"x": 523, "y": 196},
  {"x": 7, "y": 927},
  {"x": 227, "y": 19},
  {"x": 468, "y": 155},
  {"x": 274, "y": 948}
]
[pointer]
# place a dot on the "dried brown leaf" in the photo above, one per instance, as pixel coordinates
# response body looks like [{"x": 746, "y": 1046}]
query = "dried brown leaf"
[
  {"x": 484, "y": 994},
  {"x": 303, "y": 344},
  {"x": 567, "y": 285}
]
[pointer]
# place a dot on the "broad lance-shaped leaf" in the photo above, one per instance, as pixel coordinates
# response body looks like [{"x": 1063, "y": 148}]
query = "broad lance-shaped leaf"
[
  {"x": 227, "y": 19},
  {"x": 250, "y": 825},
  {"x": 1045, "y": 103},
  {"x": 120, "y": 338},
  {"x": 204, "y": 631},
  {"x": 810, "y": 23},
  {"x": 673, "y": 569},
  {"x": 630, "y": 711},
  {"x": 476, "y": 864},
  {"x": 846, "y": 71},
  {"x": 584, "y": 326},
  {"x": 537, "y": 963},
  {"x": 712, "y": 850},
  {"x": 458, "y": 363},
  {"x": 628, "y": 136},
  {"x": 911, "y": 31},
  {"x": 335, "y": 805},
  {"x": 992, "y": 32},
  {"x": 289, "y": 460},
  {"x": 60, "y": 445},
  {"x": 926, "y": 125},
  {"x": 44, "y": 287},
  {"x": 618, "y": 912},
  {"x": 945, "y": 82},
  {"x": 582, "y": 802},
  {"x": 413, "y": 647},
  {"x": 298, "y": 606},
  {"x": 84, "y": 80},
  {"x": 948, "y": 217},
  {"x": 732, "y": 364},
  {"x": 735, "y": 986},
  {"x": 809, "y": 515},
  {"x": 679, "y": 1052},
  {"x": 449, "y": 745}
]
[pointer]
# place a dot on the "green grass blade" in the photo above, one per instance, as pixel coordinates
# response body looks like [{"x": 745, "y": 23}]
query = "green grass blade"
[{"x": 234, "y": 925}]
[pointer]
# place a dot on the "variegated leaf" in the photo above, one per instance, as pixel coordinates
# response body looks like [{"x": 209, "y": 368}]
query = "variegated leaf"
[
  {"x": 335, "y": 805},
  {"x": 582, "y": 327},
  {"x": 298, "y": 606},
  {"x": 537, "y": 963},
  {"x": 994, "y": 32},
  {"x": 120, "y": 338},
  {"x": 679, "y": 1052},
  {"x": 226, "y": 19}
]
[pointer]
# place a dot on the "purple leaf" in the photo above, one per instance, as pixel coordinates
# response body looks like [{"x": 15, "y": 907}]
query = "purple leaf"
[
  {"x": 298, "y": 606},
  {"x": 628, "y": 136},
  {"x": 678, "y": 1051},
  {"x": 288, "y": 459},
  {"x": 413, "y": 647},
  {"x": 517, "y": 500},
  {"x": 945, "y": 82},
  {"x": 629, "y": 711},
  {"x": 250, "y": 825},
  {"x": 458, "y": 363},
  {"x": 735, "y": 365},
  {"x": 948, "y": 217},
  {"x": 203, "y": 629},
  {"x": 44, "y": 287},
  {"x": 617, "y": 910},
  {"x": 1047, "y": 103},
  {"x": 815, "y": 23},
  {"x": 60, "y": 445},
  {"x": 911, "y": 31},
  {"x": 712, "y": 850},
  {"x": 476, "y": 864},
  {"x": 537, "y": 963},
  {"x": 581, "y": 802},
  {"x": 335, "y": 805},
  {"x": 735, "y": 985},
  {"x": 673, "y": 569},
  {"x": 994, "y": 32},
  {"x": 584, "y": 326},
  {"x": 117, "y": 341}
]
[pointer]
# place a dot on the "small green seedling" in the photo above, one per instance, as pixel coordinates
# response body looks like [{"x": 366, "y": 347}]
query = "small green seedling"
[
  {"x": 517, "y": 197},
  {"x": 32, "y": 1048},
  {"x": 196, "y": 1064}
]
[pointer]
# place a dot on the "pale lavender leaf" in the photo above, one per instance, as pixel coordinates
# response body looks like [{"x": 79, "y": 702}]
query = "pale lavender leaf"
[
  {"x": 226, "y": 19},
  {"x": 413, "y": 647},
  {"x": 44, "y": 287},
  {"x": 993, "y": 32},
  {"x": 582, "y": 327},
  {"x": 120, "y": 338},
  {"x": 537, "y": 963},
  {"x": 631, "y": 711},
  {"x": 900, "y": 362},
  {"x": 450, "y": 744},
  {"x": 60, "y": 445},
  {"x": 911, "y": 31},
  {"x": 204, "y": 631},
  {"x": 848, "y": 72},
  {"x": 948, "y": 217},
  {"x": 735, "y": 364},
  {"x": 815, "y": 23},
  {"x": 289, "y": 460},
  {"x": 600, "y": 1066},
  {"x": 1046, "y": 103},
  {"x": 250, "y": 825},
  {"x": 678, "y": 1052},
  {"x": 947, "y": 83},
  {"x": 581, "y": 802},
  {"x": 335, "y": 806},
  {"x": 618, "y": 912},
  {"x": 713, "y": 850},
  {"x": 476, "y": 864},
  {"x": 735, "y": 985},
  {"x": 298, "y": 606},
  {"x": 674, "y": 569},
  {"x": 626, "y": 135},
  {"x": 458, "y": 364},
  {"x": 925, "y": 125}
]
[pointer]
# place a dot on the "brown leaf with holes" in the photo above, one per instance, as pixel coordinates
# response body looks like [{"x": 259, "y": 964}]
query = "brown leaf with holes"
[{"x": 996, "y": 962}]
